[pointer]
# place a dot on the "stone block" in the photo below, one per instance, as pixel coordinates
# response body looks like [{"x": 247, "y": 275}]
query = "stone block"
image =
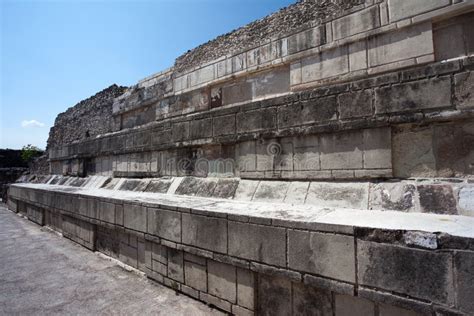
[
  {"x": 338, "y": 194},
  {"x": 246, "y": 190},
  {"x": 463, "y": 87},
  {"x": 240, "y": 311},
  {"x": 225, "y": 188},
  {"x": 341, "y": 150},
  {"x": 355, "y": 104},
  {"x": 200, "y": 128},
  {"x": 388, "y": 310},
  {"x": 175, "y": 265},
  {"x": 159, "y": 253},
  {"x": 453, "y": 148},
  {"x": 464, "y": 278},
  {"x": 398, "y": 196},
  {"x": 297, "y": 192},
  {"x": 134, "y": 217},
  {"x": 274, "y": 296},
  {"x": 327, "y": 255},
  {"x": 413, "y": 154},
  {"x": 400, "y": 9},
  {"x": 224, "y": 125},
  {"x": 275, "y": 81},
  {"x": 107, "y": 212},
  {"x": 466, "y": 201},
  {"x": 346, "y": 305},
  {"x": 306, "y": 39},
  {"x": 358, "y": 22},
  {"x": 437, "y": 199},
  {"x": 195, "y": 276},
  {"x": 180, "y": 131},
  {"x": 306, "y": 112},
  {"x": 418, "y": 273},
  {"x": 257, "y": 120},
  {"x": 377, "y": 148},
  {"x": 202, "y": 75},
  {"x": 308, "y": 300},
  {"x": 128, "y": 255},
  {"x": 205, "y": 232},
  {"x": 158, "y": 186},
  {"x": 246, "y": 288},
  {"x": 222, "y": 280},
  {"x": 215, "y": 301},
  {"x": 164, "y": 224},
  {"x": 414, "y": 41},
  {"x": 328, "y": 64},
  {"x": 237, "y": 92},
  {"x": 414, "y": 96},
  {"x": 358, "y": 56},
  {"x": 261, "y": 243},
  {"x": 271, "y": 191}
]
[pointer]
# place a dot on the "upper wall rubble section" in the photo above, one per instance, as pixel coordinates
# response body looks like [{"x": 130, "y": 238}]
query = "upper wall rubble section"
[{"x": 88, "y": 118}]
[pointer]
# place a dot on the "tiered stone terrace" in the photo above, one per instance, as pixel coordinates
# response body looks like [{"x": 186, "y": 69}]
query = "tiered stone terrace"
[{"x": 327, "y": 170}]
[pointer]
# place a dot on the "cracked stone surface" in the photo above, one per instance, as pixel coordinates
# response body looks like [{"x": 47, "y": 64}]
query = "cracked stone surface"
[{"x": 42, "y": 273}]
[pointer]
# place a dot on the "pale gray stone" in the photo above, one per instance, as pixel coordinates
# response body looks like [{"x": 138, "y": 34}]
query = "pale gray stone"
[{"x": 222, "y": 280}]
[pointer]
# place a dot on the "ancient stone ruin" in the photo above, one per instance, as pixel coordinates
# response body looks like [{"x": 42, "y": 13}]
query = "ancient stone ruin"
[{"x": 317, "y": 161}]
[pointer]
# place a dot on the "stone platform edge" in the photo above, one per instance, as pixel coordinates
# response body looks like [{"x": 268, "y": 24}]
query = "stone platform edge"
[{"x": 420, "y": 271}]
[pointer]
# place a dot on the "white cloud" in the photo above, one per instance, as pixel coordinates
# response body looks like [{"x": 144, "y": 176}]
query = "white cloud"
[{"x": 31, "y": 123}]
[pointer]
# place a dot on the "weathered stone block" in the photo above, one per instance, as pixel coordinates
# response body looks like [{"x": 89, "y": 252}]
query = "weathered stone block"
[
  {"x": 377, "y": 148},
  {"x": 224, "y": 125},
  {"x": 271, "y": 191},
  {"x": 201, "y": 128},
  {"x": 246, "y": 288},
  {"x": 464, "y": 278},
  {"x": 107, "y": 212},
  {"x": 195, "y": 276},
  {"x": 355, "y": 104},
  {"x": 308, "y": 300},
  {"x": 165, "y": 224},
  {"x": 205, "y": 232},
  {"x": 400, "y": 9},
  {"x": 180, "y": 131},
  {"x": 466, "y": 201},
  {"x": 418, "y": 273},
  {"x": 437, "y": 199},
  {"x": 274, "y": 296},
  {"x": 134, "y": 217},
  {"x": 346, "y": 305},
  {"x": 392, "y": 47},
  {"x": 463, "y": 87},
  {"x": 358, "y": 55},
  {"x": 222, "y": 280},
  {"x": 414, "y": 96},
  {"x": 225, "y": 188},
  {"x": 237, "y": 92},
  {"x": 413, "y": 152},
  {"x": 202, "y": 75},
  {"x": 272, "y": 82},
  {"x": 260, "y": 243},
  {"x": 388, "y": 310},
  {"x": 306, "y": 39},
  {"x": 323, "y": 254},
  {"x": 325, "y": 65},
  {"x": 397, "y": 196},
  {"x": 297, "y": 192},
  {"x": 342, "y": 150},
  {"x": 246, "y": 190},
  {"x": 306, "y": 112},
  {"x": 175, "y": 265},
  {"x": 348, "y": 195},
  {"x": 257, "y": 120},
  {"x": 357, "y": 22}
]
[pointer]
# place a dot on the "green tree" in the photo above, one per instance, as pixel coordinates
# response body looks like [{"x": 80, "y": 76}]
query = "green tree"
[{"x": 29, "y": 152}]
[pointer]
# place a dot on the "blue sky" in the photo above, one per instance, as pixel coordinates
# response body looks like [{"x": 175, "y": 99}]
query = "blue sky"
[{"x": 56, "y": 53}]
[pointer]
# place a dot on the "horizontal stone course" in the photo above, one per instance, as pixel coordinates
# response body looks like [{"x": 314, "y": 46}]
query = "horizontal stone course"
[{"x": 323, "y": 260}]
